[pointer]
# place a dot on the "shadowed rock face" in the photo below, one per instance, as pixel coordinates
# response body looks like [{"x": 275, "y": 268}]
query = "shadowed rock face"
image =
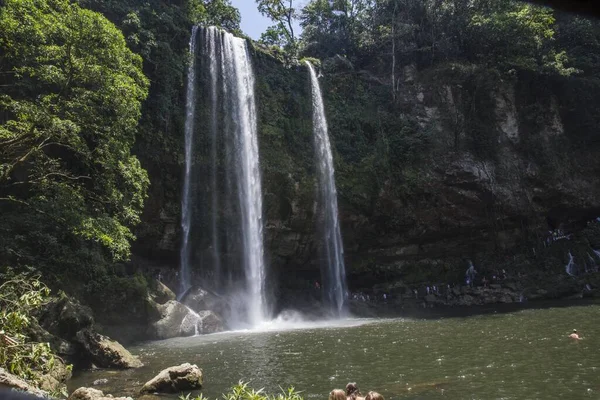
[
  {"x": 175, "y": 379},
  {"x": 503, "y": 160}
]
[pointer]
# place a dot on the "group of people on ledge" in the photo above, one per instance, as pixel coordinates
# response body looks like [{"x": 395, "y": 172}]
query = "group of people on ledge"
[{"x": 352, "y": 393}]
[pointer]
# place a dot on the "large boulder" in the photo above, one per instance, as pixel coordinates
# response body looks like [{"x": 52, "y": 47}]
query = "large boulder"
[
  {"x": 65, "y": 317},
  {"x": 210, "y": 322},
  {"x": 10, "y": 381},
  {"x": 202, "y": 322},
  {"x": 169, "y": 325},
  {"x": 175, "y": 379},
  {"x": 161, "y": 293},
  {"x": 105, "y": 352},
  {"x": 84, "y": 393},
  {"x": 199, "y": 299}
]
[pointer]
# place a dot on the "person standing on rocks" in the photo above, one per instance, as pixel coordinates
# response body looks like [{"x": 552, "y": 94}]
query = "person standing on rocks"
[{"x": 471, "y": 274}]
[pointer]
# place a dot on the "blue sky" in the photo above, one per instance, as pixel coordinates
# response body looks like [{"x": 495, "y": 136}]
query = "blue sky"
[{"x": 253, "y": 24}]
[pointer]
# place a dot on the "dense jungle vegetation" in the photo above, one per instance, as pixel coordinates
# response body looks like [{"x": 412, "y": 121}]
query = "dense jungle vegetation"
[{"x": 91, "y": 113}]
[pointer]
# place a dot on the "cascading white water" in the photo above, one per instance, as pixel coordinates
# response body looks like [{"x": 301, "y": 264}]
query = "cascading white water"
[
  {"x": 190, "y": 113},
  {"x": 334, "y": 275},
  {"x": 214, "y": 102},
  {"x": 231, "y": 122},
  {"x": 240, "y": 78},
  {"x": 229, "y": 59}
]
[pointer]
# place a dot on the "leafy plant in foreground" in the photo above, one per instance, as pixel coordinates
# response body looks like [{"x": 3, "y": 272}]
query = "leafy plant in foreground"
[
  {"x": 242, "y": 391},
  {"x": 20, "y": 296}
]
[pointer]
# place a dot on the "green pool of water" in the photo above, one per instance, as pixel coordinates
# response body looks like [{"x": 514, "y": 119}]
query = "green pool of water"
[{"x": 518, "y": 355}]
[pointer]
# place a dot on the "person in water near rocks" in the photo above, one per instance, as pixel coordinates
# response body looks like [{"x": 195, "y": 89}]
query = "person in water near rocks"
[
  {"x": 574, "y": 335},
  {"x": 352, "y": 392},
  {"x": 337, "y": 394},
  {"x": 374, "y": 396}
]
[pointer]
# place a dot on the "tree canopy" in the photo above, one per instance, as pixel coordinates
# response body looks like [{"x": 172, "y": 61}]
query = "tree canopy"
[
  {"x": 505, "y": 34},
  {"x": 69, "y": 109}
]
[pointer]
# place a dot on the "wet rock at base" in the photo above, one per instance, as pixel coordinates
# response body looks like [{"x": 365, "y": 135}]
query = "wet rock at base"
[
  {"x": 175, "y": 379},
  {"x": 105, "y": 352},
  {"x": 169, "y": 325},
  {"x": 202, "y": 322},
  {"x": 211, "y": 323},
  {"x": 11, "y": 381},
  {"x": 199, "y": 299},
  {"x": 84, "y": 393}
]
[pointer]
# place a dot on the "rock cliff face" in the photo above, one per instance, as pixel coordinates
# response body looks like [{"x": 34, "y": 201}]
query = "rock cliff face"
[{"x": 458, "y": 162}]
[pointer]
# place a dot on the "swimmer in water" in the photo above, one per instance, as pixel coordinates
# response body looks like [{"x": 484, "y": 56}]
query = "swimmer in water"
[
  {"x": 352, "y": 392},
  {"x": 574, "y": 335},
  {"x": 374, "y": 396},
  {"x": 337, "y": 394}
]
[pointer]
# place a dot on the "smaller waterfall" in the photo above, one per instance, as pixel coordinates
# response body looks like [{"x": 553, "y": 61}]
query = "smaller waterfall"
[
  {"x": 190, "y": 112},
  {"x": 570, "y": 265},
  {"x": 334, "y": 278}
]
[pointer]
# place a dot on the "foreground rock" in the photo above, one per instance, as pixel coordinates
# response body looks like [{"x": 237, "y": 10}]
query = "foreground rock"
[
  {"x": 10, "y": 381},
  {"x": 84, "y": 393},
  {"x": 106, "y": 353},
  {"x": 175, "y": 379},
  {"x": 56, "y": 379}
]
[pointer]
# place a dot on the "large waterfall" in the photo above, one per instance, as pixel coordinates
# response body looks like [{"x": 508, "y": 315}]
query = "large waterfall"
[
  {"x": 225, "y": 245},
  {"x": 238, "y": 92},
  {"x": 334, "y": 272},
  {"x": 190, "y": 112}
]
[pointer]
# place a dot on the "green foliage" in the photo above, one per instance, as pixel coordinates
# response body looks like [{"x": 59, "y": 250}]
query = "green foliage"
[
  {"x": 336, "y": 27},
  {"x": 375, "y": 141},
  {"x": 70, "y": 107},
  {"x": 242, "y": 391},
  {"x": 20, "y": 297},
  {"x": 282, "y": 33},
  {"x": 109, "y": 292},
  {"x": 503, "y": 34}
]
